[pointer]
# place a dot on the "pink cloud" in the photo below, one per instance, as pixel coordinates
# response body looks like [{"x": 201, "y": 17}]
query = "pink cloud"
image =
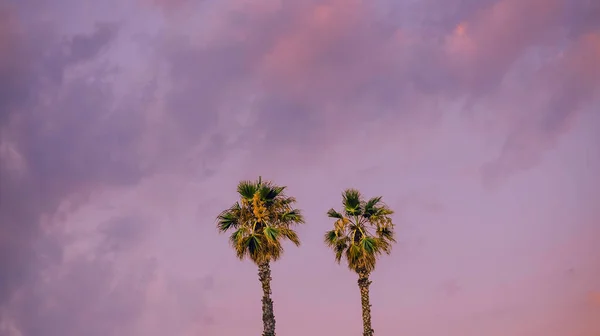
[
  {"x": 567, "y": 84},
  {"x": 484, "y": 46}
]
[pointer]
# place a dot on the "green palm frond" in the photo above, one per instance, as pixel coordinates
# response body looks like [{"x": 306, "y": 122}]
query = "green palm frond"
[
  {"x": 369, "y": 245},
  {"x": 261, "y": 221},
  {"x": 339, "y": 249},
  {"x": 293, "y": 216},
  {"x": 247, "y": 189},
  {"x": 252, "y": 243},
  {"x": 271, "y": 234},
  {"x": 229, "y": 219},
  {"x": 381, "y": 214},
  {"x": 334, "y": 214},
  {"x": 331, "y": 238},
  {"x": 371, "y": 206},
  {"x": 352, "y": 202},
  {"x": 269, "y": 192},
  {"x": 284, "y": 200},
  {"x": 362, "y": 232},
  {"x": 338, "y": 243}
]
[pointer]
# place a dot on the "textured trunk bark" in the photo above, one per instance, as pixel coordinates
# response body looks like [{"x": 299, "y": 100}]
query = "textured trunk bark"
[
  {"x": 268, "y": 317},
  {"x": 363, "y": 284}
]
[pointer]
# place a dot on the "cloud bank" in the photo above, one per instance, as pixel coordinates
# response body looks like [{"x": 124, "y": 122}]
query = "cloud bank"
[{"x": 125, "y": 125}]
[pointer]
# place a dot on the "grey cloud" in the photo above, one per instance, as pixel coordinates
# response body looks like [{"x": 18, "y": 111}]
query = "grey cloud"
[
  {"x": 62, "y": 132},
  {"x": 584, "y": 16},
  {"x": 84, "y": 300},
  {"x": 201, "y": 77},
  {"x": 48, "y": 152},
  {"x": 122, "y": 233},
  {"x": 86, "y": 47},
  {"x": 75, "y": 137}
]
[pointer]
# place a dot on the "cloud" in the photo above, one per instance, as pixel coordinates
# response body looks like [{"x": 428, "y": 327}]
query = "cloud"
[
  {"x": 570, "y": 87},
  {"x": 46, "y": 172},
  {"x": 67, "y": 136},
  {"x": 92, "y": 107},
  {"x": 83, "y": 297},
  {"x": 297, "y": 70}
]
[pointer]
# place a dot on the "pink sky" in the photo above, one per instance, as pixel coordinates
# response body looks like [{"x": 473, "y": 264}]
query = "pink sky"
[{"x": 125, "y": 126}]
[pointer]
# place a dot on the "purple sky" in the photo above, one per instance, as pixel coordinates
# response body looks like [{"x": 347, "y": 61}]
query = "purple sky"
[{"x": 125, "y": 126}]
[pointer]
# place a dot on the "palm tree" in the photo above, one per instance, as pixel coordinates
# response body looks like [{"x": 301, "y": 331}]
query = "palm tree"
[
  {"x": 361, "y": 233},
  {"x": 259, "y": 222}
]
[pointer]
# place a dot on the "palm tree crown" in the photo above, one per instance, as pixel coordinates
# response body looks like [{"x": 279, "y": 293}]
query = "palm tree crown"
[
  {"x": 259, "y": 222},
  {"x": 362, "y": 231}
]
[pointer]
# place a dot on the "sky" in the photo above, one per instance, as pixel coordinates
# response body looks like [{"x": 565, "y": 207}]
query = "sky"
[{"x": 125, "y": 126}]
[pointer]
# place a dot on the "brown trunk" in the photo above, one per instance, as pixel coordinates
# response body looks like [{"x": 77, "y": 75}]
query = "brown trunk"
[
  {"x": 363, "y": 284},
  {"x": 268, "y": 317}
]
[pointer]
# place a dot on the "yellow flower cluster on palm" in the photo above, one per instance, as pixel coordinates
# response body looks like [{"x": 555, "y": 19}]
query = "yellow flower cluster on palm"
[{"x": 258, "y": 208}]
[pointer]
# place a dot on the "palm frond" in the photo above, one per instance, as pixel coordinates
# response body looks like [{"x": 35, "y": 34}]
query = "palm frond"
[
  {"x": 385, "y": 232},
  {"x": 293, "y": 216},
  {"x": 252, "y": 244},
  {"x": 384, "y": 245},
  {"x": 229, "y": 219},
  {"x": 339, "y": 249},
  {"x": 271, "y": 234},
  {"x": 334, "y": 214},
  {"x": 351, "y": 199},
  {"x": 283, "y": 200},
  {"x": 330, "y": 238},
  {"x": 369, "y": 245},
  {"x": 236, "y": 239},
  {"x": 290, "y": 235},
  {"x": 341, "y": 225},
  {"x": 269, "y": 192},
  {"x": 371, "y": 206},
  {"x": 247, "y": 189}
]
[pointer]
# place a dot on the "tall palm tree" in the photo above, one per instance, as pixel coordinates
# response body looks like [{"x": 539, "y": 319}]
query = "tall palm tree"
[
  {"x": 361, "y": 233},
  {"x": 259, "y": 222}
]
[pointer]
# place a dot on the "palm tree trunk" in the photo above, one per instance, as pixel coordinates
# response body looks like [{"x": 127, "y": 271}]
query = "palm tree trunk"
[
  {"x": 268, "y": 317},
  {"x": 363, "y": 284}
]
